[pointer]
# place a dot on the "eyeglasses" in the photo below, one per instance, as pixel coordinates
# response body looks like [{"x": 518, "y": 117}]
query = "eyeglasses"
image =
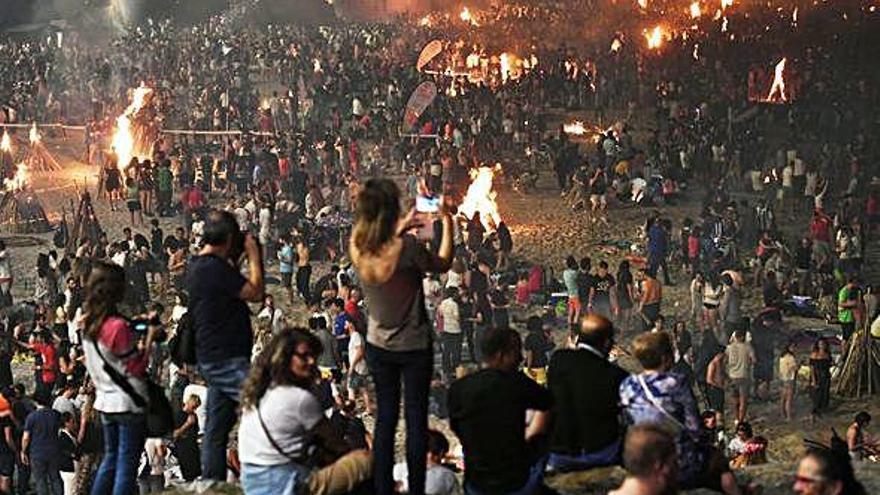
[{"x": 807, "y": 480}]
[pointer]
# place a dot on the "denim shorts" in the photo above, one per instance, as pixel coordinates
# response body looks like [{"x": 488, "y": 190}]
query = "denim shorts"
[{"x": 283, "y": 479}]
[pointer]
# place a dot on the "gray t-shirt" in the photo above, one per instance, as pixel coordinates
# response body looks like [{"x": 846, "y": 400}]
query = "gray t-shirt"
[
  {"x": 290, "y": 413},
  {"x": 398, "y": 320}
]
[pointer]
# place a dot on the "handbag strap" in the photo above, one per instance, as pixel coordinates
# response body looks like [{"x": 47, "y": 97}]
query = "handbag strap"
[
  {"x": 652, "y": 399},
  {"x": 119, "y": 379},
  {"x": 297, "y": 460}
]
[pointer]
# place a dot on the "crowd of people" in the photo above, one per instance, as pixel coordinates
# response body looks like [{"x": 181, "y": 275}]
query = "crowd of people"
[{"x": 281, "y": 400}]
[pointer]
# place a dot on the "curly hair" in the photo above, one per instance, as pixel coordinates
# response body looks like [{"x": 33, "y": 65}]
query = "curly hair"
[{"x": 272, "y": 366}]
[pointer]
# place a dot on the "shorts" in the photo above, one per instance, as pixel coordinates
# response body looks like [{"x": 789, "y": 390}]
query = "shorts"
[
  {"x": 574, "y": 304},
  {"x": 740, "y": 386},
  {"x": 789, "y": 385},
  {"x": 357, "y": 381},
  {"x": 133, "y": 205},
  {"x": 286, "y": 279},
  {"x": 598, "y": 200},
  {"x": 715, "y": 397},
  {"x": 7, "y": 464}
]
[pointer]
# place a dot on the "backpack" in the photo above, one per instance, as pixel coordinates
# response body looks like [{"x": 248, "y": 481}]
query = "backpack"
[{"x": 182, "y": 347}]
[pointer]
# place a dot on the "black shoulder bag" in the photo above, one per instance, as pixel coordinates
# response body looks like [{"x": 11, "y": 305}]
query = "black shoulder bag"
[{"x": 160, "y": 417}]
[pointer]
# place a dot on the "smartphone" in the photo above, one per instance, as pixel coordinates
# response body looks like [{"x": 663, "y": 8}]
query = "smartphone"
[{"x": 428, "y": 204}]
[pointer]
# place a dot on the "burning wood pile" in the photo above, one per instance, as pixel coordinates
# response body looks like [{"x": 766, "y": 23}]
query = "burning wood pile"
[
  {"x": 20, "y": 210},
  {"x": 135, "y": 128},
  {"x": 38, "y": 158}
]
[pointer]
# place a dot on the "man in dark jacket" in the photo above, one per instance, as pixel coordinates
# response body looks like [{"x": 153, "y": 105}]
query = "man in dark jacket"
[{"x": 585, "y": 386}]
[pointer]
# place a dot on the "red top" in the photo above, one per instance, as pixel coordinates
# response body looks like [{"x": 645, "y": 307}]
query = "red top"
[
  {"x": 117, "y": 336},
  {"x": 693, "y": 246},
  {"x": 50, "y": 361},
  {"x": 819, "y": 228}
]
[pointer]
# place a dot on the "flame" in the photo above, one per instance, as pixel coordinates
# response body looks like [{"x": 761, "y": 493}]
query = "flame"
[
  {"x": 724, "y": 25},
  {"x": 34, "y": 134},
  {"x": 577, "y": 128},
  {"x": 696, "y": 53},
  {"x": 695, "y": 10},
  {"x": 643, "y": 4},
  {"x": 777, "y": 89},
  {"x": 480, "y": 197},
  {"x": 19, "y": 180},
  {"x": 656, "y": 37},
  {"x": 726, "y": 3},
  {"x": 466, "y": 16},
  {"x": 123, "y": 138},
  {"x": 425, "y": 21},
  {"x": 6, "y": 143},
  {"x": 615, "y": 45},
  {"x": 506, "y": 62}
]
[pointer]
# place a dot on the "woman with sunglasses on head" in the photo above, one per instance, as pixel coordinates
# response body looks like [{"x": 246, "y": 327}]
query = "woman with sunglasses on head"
[{"x": 283, "y": 426}]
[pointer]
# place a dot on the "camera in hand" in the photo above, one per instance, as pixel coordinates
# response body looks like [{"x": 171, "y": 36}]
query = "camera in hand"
[{"x": 141, "y": 326}]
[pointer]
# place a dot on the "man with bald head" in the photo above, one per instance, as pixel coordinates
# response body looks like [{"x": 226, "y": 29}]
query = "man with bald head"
[
  {"x": 587, "y": 431},
  {"x": 651, "y": 462}
]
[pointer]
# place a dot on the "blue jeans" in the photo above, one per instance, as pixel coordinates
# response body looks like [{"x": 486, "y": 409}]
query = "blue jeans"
[
  {"x": 124, "y": 436},
  {"x": 387, "y": 367},
  {"x": 533, "y": 484},
  {"x": 224, "y": 380},
  {"x": 609, "y": 456},
  {"x": 46, "y": 476},
  {"x": 284, "y": 479}
]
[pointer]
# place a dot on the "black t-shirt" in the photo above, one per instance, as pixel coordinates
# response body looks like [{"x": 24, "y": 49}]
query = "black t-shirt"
[
  {"x": 479, "y": 283},
  {"x": 487, "y": 411},
  {"x": 537, "y": 343},
  {"x": 221, "y": 319},
  {"x": 584, "y": 284},
  {"x": 602, "y": 285},
  {"x": 4, "y": 447},
  {"x": 803, "y": 258}
]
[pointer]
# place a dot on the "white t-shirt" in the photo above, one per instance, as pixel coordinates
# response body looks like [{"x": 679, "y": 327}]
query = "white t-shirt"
[
  {"x": 438, "y": 480},
  {"x": 787, "y": 172},
  {"x": 290, "y": 413},
  {"x": 448, "y": 310},
  {"x": 357, "y": 340}
]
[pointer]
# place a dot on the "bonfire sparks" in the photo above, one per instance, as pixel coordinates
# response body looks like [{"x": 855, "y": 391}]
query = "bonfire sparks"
[
  {"x": 695, "y": 10},
  {"x": 34, "y": 134},
  {"x": 656, "y": 37},
  {"x": 576, "y": 128},
  {"x": 123, "y": 138},
  {"x": 480, "y": 197},
  {"x": 5, "y": 143},
  {"x": 777, "y": 89}
]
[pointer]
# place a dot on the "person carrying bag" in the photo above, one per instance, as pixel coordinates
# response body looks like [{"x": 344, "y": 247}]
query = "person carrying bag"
[{"x": 117, "y": 364}]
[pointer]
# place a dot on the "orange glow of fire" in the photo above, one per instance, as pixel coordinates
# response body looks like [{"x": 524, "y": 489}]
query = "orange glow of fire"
[
  {"x": 34, "y": 134},
  {"x": 695, "y": 10},
  {"x": 656, "y": 37},
  {"x": 726, "y": 3},
  {"x": 777, "y": 89},
  {"x": 6, "y": 143},
  {"x": 480, "y": 197},
  {"x": 643, "y": 4},
  {"x": 123, "y": 138},
  {"x": 425, "y": 21},
  {"x": 19, "y": 180}
]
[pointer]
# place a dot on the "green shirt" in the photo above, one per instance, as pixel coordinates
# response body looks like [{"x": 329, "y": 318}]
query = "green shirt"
[
  {"x": 164, "y": 178},
  {"x": 844, "y": 315}
]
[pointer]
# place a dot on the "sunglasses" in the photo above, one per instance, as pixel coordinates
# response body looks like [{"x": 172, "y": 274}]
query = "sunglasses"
[{"x": 808, "y": 480}]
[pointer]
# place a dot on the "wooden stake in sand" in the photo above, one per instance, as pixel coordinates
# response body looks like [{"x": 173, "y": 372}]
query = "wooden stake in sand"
[
  {"x": 85, "y": 223},
  {"x": 860, "y": 373}
]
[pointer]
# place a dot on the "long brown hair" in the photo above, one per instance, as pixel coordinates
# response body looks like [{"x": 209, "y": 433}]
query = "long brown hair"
[
  {"x": 272, "y": 366},
  {"x": 105, "y": 289},
  {"x": 378, "y": 210}
]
